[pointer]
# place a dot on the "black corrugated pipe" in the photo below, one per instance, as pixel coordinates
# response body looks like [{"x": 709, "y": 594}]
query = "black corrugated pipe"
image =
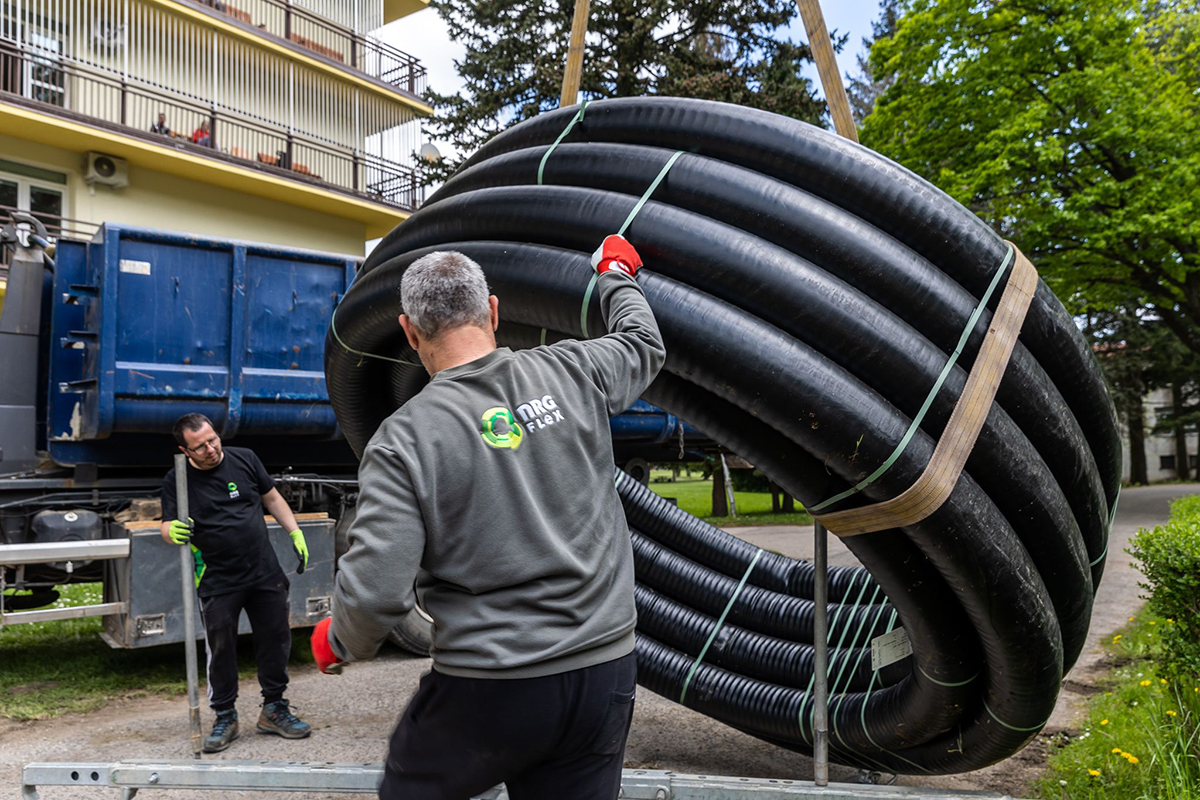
[{"x": 810, "y": 292}]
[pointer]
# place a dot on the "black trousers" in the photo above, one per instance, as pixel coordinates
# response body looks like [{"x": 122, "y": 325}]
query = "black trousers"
[
  {"x": 267, "y": 608},
  {"x": 552, "y": 737}
]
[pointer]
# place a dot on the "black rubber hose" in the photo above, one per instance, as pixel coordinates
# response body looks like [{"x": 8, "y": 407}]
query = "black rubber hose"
[{"x": 809, "y": 293}]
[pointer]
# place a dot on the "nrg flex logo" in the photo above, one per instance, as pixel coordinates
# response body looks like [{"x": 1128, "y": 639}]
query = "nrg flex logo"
[{"x": 499, "y": 427}]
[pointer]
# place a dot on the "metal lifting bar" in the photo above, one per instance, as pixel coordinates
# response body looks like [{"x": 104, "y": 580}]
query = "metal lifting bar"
[{"x": 323, "y": 776}]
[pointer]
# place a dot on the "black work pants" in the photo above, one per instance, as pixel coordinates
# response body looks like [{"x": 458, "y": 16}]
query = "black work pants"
[
  {"x": 551, "y": 737},
  {"x": 266, "y": 606}
]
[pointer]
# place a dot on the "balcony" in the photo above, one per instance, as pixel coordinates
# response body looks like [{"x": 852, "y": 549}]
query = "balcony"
[
  {"x": 335, "y": 43},
  {"x": 271, "y": 144}
]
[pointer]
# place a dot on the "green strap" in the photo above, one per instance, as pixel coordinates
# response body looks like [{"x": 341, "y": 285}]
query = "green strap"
[
  {"x": 577, "y": 118},
  {"x": 1112, "y": 515},
  {"x": 543, "y": 336},
  {"x": 937, "y": 385},
  {"x": 587, "y": 298},
  {"x": 662, "y": 173},
  {"x": 349, "y": 349},
  {"x": 944, "y": 683},
  {"x": 720, "y": 621},
  {"x": 1013, "y": 727},
  {"x": 591, "y": 287},
  {"x": 837, "y": 614}
]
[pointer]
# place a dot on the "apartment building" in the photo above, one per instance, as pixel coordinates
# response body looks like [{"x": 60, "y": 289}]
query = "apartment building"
[
  {"x": 1162, "y": 456},
  {"x": 281, "y": 121}
]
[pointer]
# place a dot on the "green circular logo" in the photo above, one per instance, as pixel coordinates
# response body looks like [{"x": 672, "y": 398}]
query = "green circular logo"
[
  {"x": 499, "y": 428},
  {"x": 232, "y": 486}
]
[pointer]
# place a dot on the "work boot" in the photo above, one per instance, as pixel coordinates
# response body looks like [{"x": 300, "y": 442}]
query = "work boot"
[
  {"x": 278, "y": 718},
  {"x": 224, "y": 731}
]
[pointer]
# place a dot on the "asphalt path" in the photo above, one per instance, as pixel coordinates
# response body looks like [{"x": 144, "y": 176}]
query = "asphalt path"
[{"x": 353, "y": 714}]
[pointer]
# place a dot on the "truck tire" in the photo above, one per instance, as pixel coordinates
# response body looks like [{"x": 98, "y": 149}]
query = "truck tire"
[{"x": 413, "y": 635}]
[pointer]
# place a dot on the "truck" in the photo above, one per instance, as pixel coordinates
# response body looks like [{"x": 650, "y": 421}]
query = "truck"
[{"x": 106, "y": 343}]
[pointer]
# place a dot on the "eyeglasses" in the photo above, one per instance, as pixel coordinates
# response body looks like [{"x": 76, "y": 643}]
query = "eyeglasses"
[{"x": 213, "y": 443}]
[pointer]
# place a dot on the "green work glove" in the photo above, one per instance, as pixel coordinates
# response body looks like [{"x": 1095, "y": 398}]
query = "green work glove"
[
  {"x": 201, "y": 567},
  {"x": 180, "y": 532},
  {"x": 301, "y": 548}
]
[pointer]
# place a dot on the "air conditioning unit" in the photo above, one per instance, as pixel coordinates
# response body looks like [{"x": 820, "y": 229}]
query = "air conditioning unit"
[{"x": 108, "y": 170}]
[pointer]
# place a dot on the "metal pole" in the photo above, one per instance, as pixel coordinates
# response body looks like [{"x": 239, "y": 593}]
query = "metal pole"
[
  {"x": 187, "y": 573},
  {"x": 831, "y": 79},
  {"x": 574, "y": 69},
  {"x": 821, "y": 651}
]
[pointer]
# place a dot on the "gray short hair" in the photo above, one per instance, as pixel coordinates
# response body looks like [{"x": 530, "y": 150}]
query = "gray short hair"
[{"x": 444, "y": 290}]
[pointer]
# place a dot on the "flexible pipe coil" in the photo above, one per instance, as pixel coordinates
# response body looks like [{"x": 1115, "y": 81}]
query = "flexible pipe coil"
[{"x": 809, "y": 292}]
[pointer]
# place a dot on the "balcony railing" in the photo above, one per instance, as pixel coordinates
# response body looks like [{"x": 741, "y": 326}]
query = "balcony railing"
[
  {"x": 323, "y": 36},
  {"x": 99, "y": 98}
]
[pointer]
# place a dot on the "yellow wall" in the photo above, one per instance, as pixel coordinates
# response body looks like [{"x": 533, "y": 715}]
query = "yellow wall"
[{"x": 157, "y": 200}]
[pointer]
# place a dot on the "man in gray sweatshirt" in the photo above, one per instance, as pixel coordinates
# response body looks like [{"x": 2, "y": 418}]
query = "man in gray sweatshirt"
[{"x": 492, "y": 489}]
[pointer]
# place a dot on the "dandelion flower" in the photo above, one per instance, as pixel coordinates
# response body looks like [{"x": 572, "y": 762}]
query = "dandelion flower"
[
  {"x": 1170, "y": 620},
  {"x": 1103, "y": 722},
  {"x": 1163, "y": 681},
  {"x": 1117, "y": 638},
  {"x": 1117, "y": 750},
  {"x": 1170, "y": 712},
  {"x": 1152, "y": 622},
  {"x": 1131, "y": 759},
  {"x": 1131, "y": 619},
  {"x": 1145, "y": 683},
  {"x": 1095, "y": 773}
]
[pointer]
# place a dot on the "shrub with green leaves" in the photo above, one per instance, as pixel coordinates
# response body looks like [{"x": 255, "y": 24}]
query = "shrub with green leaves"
[{"x": 1170, "y": 556}]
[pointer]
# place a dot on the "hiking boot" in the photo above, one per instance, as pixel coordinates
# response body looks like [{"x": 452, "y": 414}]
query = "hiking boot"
[
  {"x": 278, "y": 718},
  {"x": 224, "y": 731}
]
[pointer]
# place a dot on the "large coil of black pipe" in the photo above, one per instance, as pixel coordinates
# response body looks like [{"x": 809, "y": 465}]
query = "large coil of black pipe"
[{"x": 810, "y": 292}]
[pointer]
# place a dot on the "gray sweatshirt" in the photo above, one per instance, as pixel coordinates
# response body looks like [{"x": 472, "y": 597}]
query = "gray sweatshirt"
[{"x": 493, "y": 489}]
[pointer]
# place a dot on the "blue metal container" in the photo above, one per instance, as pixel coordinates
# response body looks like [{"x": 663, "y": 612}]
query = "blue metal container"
[{"x": 148, "y": 325}]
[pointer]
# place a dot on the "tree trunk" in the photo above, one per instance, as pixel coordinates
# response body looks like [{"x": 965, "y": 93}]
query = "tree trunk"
[
  {"x": 789, "y": 504},
  {"x": 1136, "y": 422},
  {"x": 1182, "y": 468},
  {"x": 720, "y": 504}
]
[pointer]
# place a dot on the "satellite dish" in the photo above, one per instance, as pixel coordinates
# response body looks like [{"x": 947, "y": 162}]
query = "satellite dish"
[{"x": 430, "y": 153}]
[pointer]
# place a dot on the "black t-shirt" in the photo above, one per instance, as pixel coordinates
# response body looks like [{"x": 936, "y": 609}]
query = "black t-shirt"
[{"x": 225, "y": 503}]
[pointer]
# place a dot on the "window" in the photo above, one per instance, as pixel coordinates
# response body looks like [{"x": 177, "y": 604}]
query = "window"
[
  {"x": 1192, "y": 460},
  {"x": 42, "y": 198},
  {"x": 1166, "y": 463}
]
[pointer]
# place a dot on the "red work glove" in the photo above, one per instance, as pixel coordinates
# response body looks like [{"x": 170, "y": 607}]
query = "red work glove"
[
  {"x": 323, "y": 654},
  {"x": 616, "y": 253}
]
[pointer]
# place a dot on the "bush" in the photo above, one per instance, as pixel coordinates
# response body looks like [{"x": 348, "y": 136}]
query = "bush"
[{"x": 1170, "y": 556}]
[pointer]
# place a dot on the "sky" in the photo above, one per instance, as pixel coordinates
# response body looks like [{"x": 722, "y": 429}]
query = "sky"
[{"x": 425, "y": 36}]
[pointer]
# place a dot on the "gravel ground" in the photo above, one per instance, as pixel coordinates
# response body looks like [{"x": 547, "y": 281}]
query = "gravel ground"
[{"x": 353, "y": 714}]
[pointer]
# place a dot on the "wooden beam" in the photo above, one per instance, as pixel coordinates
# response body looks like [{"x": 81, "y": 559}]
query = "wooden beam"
[
  {"x": 574, "y": 68},
  {"x": 827, "y": 68}
]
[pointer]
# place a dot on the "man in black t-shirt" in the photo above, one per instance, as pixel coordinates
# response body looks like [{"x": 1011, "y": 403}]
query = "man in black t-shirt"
[{"x": 236, "y": 570}]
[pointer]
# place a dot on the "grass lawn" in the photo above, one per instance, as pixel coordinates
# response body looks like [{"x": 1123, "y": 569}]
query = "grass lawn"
[
  {"x": 694, "y": 495},
  {"x": 52, "y": 668},
  {"x": 1141, "y": 740}
]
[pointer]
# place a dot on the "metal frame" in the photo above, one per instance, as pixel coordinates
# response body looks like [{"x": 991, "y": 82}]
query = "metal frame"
[
  {"x": 18, "y": 555},
  {"x": 324, "y": 776}
]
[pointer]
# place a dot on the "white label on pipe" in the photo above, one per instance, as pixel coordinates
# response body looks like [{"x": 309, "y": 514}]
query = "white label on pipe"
[
  {"x": 890, "y": 648},
  {"x": 135, "y": 267}
]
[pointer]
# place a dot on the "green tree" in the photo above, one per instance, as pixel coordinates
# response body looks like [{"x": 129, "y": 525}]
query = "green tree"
[
  {"x": 714, "y": 49},
  {"x": 1070, "y": 126},
  {"x": 869, "y": 85}
]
